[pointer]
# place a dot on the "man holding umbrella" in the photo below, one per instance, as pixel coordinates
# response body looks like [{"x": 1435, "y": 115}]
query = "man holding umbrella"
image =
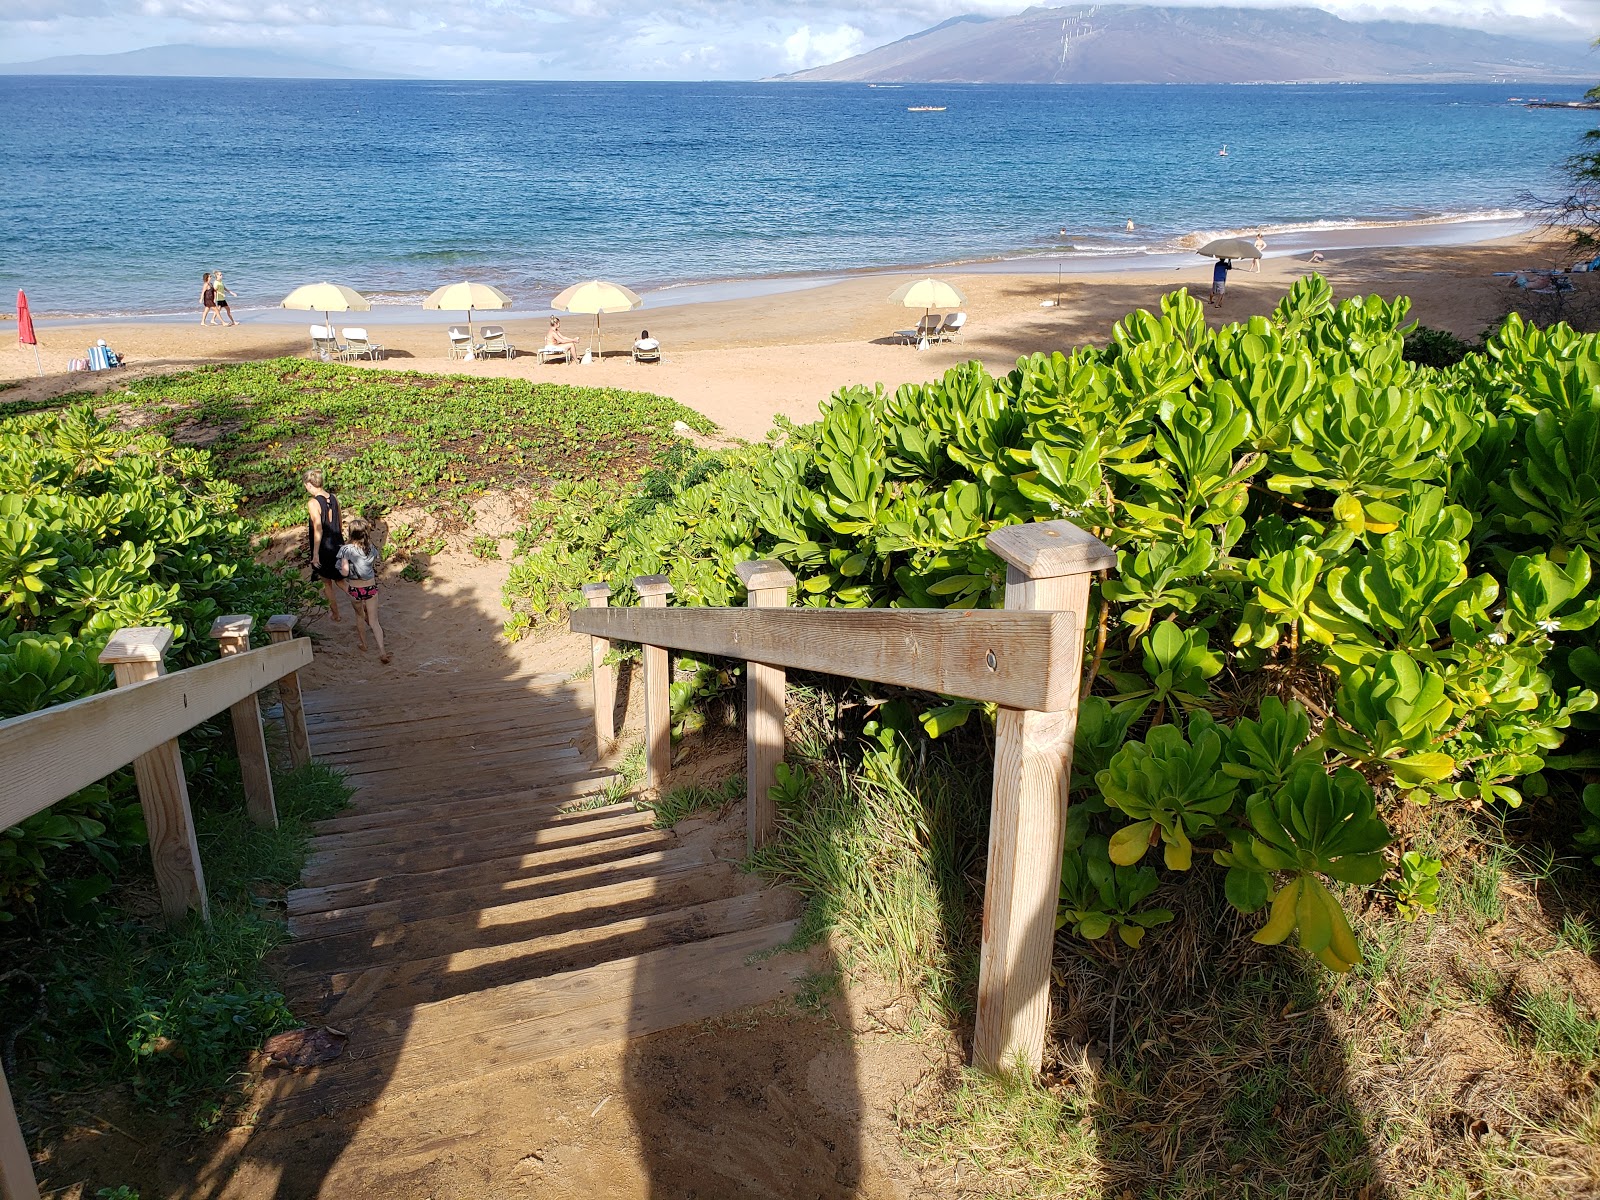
[{"x": 1219, "y": 280}]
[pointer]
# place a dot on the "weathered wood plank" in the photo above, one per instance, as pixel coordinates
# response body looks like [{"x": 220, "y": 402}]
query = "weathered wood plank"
[
  {"x": 500, "y": 726},
  {"x": 232, "y": 634},
  {"x": 50, "y": 754},
  {"x": 444, "y": 825},
  {"x": 16, "y": 1167},
  {"x": 407, "y": 983},
  {"x": 472, "y": 1036},
  {"x": 1011, "y": 658},
  {"x": 604, "y": 675},
  {"x": 429, "y": 851},
  {"x": 653, "y": 591},
  {"x": 491, "y": 891},
  {"x": 281, "y": 629},
  {"x": 496, "y": 924},
  {"x": 391, "y": 807},
  {"x": 163, "y": 791},
  {"x": 507, "y": 871},
  {"x": 1027, "y": 828},
  {"x": 767, "y": 585}
]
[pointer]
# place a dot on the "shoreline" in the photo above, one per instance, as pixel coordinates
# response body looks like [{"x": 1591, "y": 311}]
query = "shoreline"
[
  {"x": 1177, "y": 253},
  {"x": 741, "y": 361}
]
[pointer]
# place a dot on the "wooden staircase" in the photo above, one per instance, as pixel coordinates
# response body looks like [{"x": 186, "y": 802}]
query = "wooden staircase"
[{"x": 485, "y": 903}]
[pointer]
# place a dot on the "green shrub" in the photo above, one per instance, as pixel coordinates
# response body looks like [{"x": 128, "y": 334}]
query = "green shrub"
[
  {"x": 101, "y": 529},
  {"x": 1355, "y": 581},
  {"x": 1430, "y": 347}
]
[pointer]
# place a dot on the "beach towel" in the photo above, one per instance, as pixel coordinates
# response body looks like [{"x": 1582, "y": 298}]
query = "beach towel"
[{"x": 99, "y": 358}]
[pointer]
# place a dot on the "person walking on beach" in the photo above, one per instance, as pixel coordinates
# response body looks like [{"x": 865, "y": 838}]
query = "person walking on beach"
[
  {"x": 208, "y": 300},
  {"x": 358, "y": 563},
  {"x": 1219, "y": 280},
  {"x": 1261, "y": 246},
  {"x": 325, "y": 536},
  {"x": 222, "y": 299}
]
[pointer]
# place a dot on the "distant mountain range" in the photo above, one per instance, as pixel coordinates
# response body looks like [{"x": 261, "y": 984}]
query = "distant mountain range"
[
  {"x": 1124, "y": 43},
  {"x": 198, "y": 61}
]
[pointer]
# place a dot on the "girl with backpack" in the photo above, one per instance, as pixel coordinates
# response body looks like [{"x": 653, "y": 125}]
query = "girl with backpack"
[{"x": 358, "y": 563}]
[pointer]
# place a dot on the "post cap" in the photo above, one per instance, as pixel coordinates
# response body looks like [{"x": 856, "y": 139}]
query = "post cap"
[
  {"x": 140, "y": 644},
  {"x": 234, "y": 626},
  {"x": 1050, "y": 549},
  {"x": 653, "y": 585},
  {"x": 282, "y": 623},
  {"x": 762, "y": 574},
  {"x": 596, "y": 591}
]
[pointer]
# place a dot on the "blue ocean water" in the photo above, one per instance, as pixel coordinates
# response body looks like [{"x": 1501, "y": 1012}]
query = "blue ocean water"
[{"x": 119, "y": 192}]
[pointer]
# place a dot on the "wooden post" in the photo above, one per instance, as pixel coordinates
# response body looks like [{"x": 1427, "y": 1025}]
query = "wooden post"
[
  {"x": 16, "y": 1168},
  {"x": 1048, "y": 565},
  {"x": 232, "y": 635},
  {"x": 767, "y": 582},
  {"x": 281, "y": 629},
  {"x": 136, "y": 655},
  {"x": 596, "y": 595},
  {"x": 653, "y": 592}
]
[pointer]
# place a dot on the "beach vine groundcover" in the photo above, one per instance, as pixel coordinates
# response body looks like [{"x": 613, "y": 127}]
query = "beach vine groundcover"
[
  {"x": 1347, "y": 583},
  {"x": 393, "y": 438}
]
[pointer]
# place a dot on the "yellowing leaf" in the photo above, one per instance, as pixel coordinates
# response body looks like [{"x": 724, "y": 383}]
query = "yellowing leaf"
[
  {"x": 1280, "y": 924},
  {"x": 1129, "y": 843}
]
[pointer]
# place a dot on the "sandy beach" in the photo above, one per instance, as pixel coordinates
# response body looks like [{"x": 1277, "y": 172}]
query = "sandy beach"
[{"x": 741, "y": 361}]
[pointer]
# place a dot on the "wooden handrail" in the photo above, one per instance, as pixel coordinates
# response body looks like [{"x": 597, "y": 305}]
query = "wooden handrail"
[
  {"x": 52, "y": 753},
  {"x": 981, "y": 654},
  {"x": 1027, "y": 659},
  {"x": 48, "y": 755}
]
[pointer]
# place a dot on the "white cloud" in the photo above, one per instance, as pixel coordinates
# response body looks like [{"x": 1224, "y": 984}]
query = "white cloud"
[
  {"x": 608, "y": 39},
  {"x": 803, "y": 48}
]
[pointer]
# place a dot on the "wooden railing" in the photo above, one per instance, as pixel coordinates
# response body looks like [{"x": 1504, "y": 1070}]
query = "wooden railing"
[
  {"x": 1028, "y": 659},
  {"x": 48, "y": 755}
]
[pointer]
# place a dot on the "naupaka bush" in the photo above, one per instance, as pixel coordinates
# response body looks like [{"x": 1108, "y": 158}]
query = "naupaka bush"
[{"x": 1344, "y": 581}]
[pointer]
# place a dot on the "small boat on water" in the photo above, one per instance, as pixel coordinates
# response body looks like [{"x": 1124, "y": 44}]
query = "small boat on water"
[{"x": 927, "y": 108}]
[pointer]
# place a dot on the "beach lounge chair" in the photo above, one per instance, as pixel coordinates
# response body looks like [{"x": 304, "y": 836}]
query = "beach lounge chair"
[
  {"x": 952, "y": 327},
  {"x": 324, "y": 345},
  {"x": 358, "y": 345},
  {"x": 494, "y": 342},
  {"x": 461, "y": 342},
  {"x": 647, "y": 350},
  {"x": 557, "y": 354},
  {"x": 928, "y": 327}
]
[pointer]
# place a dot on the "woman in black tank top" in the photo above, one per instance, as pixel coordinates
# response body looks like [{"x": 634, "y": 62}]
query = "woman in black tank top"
[{"x": 324, "y": 536}]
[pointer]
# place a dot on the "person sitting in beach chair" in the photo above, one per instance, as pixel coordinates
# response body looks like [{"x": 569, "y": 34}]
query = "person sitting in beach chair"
[
  {"x": 557, "y": 345},
  {"x": 646, "y": 348}
]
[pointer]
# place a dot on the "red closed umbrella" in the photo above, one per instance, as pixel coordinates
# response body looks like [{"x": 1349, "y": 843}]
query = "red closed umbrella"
[{"x": 25, "y": 333}]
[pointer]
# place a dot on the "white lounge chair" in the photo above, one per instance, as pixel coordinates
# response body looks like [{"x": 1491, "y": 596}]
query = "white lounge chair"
[
  {"x": 494, "y": 342},
  {"x": 567, "y": 353},
  {"x": 358, "y": 345},
  {"x": 325, "y": 345},
  {"x": 952, "y": 327},
  {"x": 647, "y": 350},
  {"x": 928, "y": 327},
  {"x": 461, "y": 342}
]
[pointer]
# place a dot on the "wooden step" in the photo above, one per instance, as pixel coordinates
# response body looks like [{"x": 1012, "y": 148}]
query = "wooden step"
[
  {"x": 676, "y": 885},
  {"x": 400, "y": 709},
  {"x": 443, "y": 733},
  {"x": 411, "y": 848},
  {"x": 374, "y": 808},
  {"x": 511, "y": 766},
  {"x": 392, "y": 1056},
  {"x": 510, "y": 871},
  {"x": 445, "y": 687},
  {"x": 403, "y": 985},
  {"x": 492, "y": 888}
]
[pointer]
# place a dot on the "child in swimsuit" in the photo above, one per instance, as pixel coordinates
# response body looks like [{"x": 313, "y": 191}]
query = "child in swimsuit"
[{"x": 358, "y": 563}]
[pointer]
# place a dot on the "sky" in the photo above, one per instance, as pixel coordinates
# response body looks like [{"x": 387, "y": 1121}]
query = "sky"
[{"x": 607, "y": 39}]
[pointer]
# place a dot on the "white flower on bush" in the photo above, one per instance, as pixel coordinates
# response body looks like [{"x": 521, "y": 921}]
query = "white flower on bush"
[
  {"x": 1550, "y": 626},
  {"x": 1497, "y": 638}
]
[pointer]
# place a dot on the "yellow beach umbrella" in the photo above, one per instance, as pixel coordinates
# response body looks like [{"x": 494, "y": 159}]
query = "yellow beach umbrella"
[
  {"x": 928, "y": 294},
  {"x": 597, "y": 296},
  {"x": 466, "y": 296},
  {"x": 326, "y": 298}
]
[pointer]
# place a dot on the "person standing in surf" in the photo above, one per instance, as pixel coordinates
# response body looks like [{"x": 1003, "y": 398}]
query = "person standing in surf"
[{"x": 324, "y": 537}]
